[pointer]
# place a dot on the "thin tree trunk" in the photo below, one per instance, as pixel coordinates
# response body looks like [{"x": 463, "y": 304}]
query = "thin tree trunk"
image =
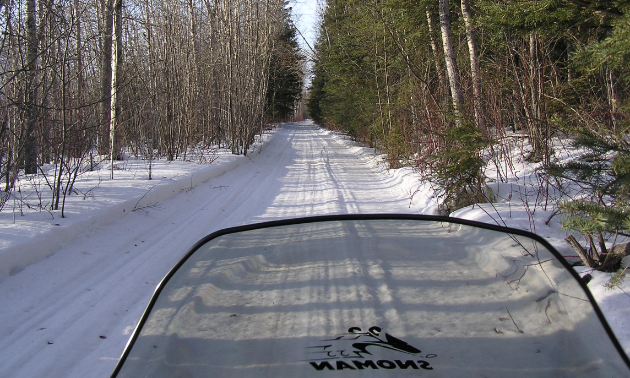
[
  {"x": 30, "y": 95},
  {"x": 79, "y": 47},
  {"x": 613, "y": 99},
  {"x": 378, "y": 88},
  {"x": 392, "y": 148},
  {"x": 152, "y": 85},
  {"x": 107, "y": 15},
  {"x": 474, "y": 65},
  {"x": 80, "y": 75},
  {"x": 116, "y": 60},
  {"x": 64, "y": 128},
  {"x": 535, "y": 123},
  {"x": 450, "y": 60},
  {"x": 436, "y": 57},
  {"x": 195, "y": 43}
]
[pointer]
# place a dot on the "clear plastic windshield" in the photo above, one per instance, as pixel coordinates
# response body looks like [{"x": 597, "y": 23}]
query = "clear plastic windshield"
[{"x": 378, "y": 297}]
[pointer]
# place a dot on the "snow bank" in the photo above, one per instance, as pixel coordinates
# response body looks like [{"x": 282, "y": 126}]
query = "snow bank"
[
  {"x": 53, "y": 313},
  {"x": 40, "y": 234},
  {"x": 520, "y": 204}
]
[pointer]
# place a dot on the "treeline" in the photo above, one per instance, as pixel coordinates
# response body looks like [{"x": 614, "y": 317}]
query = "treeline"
[
  {"x": 443, "y": 85},
  {"x": 83, "y": 80},
  {"x": 433, "y": 83}
]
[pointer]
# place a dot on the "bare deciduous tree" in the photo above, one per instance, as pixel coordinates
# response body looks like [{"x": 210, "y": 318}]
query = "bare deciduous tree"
[{"x": 99, "y": 79}]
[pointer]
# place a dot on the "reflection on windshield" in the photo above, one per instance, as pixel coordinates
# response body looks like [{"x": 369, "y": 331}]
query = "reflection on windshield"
[{"x": 387, "y": 297}]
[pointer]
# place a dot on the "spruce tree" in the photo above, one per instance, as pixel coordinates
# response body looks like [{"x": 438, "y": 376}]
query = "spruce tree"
[
  {"x": 284, "y": 89},
  {"x": 601, "y": 130}
]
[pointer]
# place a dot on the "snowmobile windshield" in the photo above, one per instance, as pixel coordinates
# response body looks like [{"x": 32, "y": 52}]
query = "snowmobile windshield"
[{"x": 367, "y": 296}]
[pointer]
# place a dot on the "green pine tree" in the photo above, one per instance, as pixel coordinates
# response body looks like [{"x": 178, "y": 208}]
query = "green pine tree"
[{"x": 286, "y": 76}]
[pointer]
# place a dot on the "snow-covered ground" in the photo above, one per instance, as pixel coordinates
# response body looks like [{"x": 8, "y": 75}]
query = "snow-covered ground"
[{"x": 72, "y": 289}]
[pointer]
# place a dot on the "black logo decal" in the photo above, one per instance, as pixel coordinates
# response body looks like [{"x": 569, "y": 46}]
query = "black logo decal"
[
  {"x": 390, "y": 342},
  {"x": 356, "y": 345}
]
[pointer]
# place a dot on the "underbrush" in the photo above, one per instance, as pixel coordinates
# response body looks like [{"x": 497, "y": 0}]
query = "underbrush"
[{"x": 48, "y": 189}]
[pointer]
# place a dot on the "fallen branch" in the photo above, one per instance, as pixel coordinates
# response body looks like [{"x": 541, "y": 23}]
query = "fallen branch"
[
  {"x": 580, "y": 251},
  {"x": 551, "y": 216},
  {"x": 142, "y": 207}
]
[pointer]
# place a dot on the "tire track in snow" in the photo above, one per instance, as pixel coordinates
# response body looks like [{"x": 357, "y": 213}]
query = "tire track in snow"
[{"x": 100, "y": 283}]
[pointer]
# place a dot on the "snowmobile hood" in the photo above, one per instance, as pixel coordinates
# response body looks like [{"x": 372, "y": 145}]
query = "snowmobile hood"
[{"x": 372, "y": 295}]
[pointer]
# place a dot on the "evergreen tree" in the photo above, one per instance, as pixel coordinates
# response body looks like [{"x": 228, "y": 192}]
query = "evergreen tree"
[
  {"x": 317, "y": 94},
  {"x": 601, "y": 128},
  {"x": 604, "y": 210},
  {"x": 286, "y": 76},
  {"x": 458, "y": 169},
  {"x": 546, "y": 67}
]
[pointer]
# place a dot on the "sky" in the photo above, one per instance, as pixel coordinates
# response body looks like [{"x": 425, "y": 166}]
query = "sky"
[{"x": 305, "y": 16}]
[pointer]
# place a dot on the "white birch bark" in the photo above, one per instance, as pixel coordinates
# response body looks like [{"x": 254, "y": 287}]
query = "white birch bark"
[
  {"x": 474, "y": 65},
  {"x": 450, "y": 60}
]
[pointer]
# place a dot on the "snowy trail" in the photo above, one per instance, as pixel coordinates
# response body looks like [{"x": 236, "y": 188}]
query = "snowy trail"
[{"x": 71, "y": 314}]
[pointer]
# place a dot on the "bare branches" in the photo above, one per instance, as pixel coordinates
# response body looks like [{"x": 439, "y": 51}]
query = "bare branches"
[{"x": 106, "y": 78}]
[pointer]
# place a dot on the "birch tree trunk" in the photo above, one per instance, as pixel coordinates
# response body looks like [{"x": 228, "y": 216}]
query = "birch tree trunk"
[
  {"x": 450, "y": 60},
  {"x": 437, "y": 57},
  {"x": 474, "y": 66}
]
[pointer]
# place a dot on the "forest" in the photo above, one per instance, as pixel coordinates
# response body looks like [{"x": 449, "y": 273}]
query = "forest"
[
  {"x": 84, "y": 82},
  {"x": 449, "y": 87}
]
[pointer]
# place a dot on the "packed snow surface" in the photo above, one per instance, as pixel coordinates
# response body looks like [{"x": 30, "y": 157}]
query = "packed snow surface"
[{"x": 72, "y": 289}]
